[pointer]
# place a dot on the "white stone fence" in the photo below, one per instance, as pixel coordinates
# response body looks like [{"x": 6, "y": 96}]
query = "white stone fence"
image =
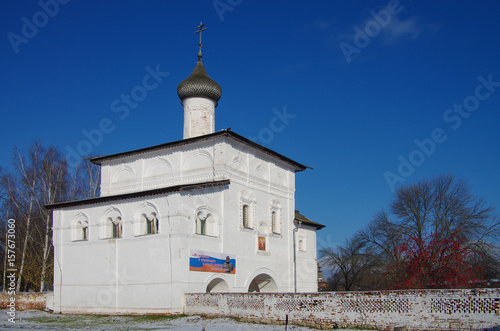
[{"x": 474, "y": 309}]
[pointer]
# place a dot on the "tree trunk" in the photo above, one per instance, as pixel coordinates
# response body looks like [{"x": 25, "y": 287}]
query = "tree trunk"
[
  {"x": 46, "y": 253},
  {"x": 5, "y": 260},
  {"x": 23, "y": 254}
]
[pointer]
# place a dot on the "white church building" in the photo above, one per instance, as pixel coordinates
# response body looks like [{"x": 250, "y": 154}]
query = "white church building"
[{"x": 214, "y": 212}]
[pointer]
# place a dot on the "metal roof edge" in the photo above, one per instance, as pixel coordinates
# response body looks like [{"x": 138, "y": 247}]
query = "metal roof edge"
[
  {"x": 108, "y": 198},
  {"x": 301, "y": 218}
]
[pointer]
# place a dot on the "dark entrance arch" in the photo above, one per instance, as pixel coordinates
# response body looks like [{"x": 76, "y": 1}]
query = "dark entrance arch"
[
  {"x": 217, "y": 285},
  {"x": 263, "y": 283}
]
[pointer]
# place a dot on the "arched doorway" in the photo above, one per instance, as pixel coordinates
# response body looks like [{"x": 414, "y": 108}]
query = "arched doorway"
[
  {"x": 263, "y": 283},
  {"x": 217, "y": 285}
]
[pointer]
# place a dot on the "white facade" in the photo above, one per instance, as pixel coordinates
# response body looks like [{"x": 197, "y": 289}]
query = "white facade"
[
  {"x": 168, "y": 215},
  {"x": 211, "y": 177}
]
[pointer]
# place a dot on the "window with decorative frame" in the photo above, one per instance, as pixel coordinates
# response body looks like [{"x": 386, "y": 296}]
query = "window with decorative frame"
[
  {"x": 247, "y": 210},
  {"x": 246, "y": 216}
]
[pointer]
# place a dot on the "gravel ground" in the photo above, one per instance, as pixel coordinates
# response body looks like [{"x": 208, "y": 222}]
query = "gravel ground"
[{"x": 41, "y": 320}]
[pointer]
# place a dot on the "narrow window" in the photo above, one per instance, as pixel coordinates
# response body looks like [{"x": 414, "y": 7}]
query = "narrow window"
[
  {"x": 85, "y": 231},
  {"x": 274, "y": 225},
  {"x": 201, "y": 224},
  {"x": 151, "y": 224},
  {"x": 117, "y": 228},
  {"x": 246, "y": 220}
]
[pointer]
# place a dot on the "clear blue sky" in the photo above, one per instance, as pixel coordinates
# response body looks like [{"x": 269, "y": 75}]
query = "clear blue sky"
[{"x": 356, "y": 101}]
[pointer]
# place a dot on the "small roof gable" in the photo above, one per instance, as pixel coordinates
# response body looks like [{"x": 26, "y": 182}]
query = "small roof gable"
[
  {"x": 224, "y": 133},
  {"x": 301, "y": 218}
]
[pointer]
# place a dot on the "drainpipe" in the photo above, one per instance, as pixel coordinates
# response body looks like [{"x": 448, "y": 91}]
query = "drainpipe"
[{"x": 295, "y": 257}]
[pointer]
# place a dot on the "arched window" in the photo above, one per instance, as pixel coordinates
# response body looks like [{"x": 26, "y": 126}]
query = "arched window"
[
  {"x": 111, "y": 225},
  {"x": 79, "y": 228},
  {"x": 80, "y": 231},
  {"x": 146, "y": 220},
  {"x": 206, "y": 222}
]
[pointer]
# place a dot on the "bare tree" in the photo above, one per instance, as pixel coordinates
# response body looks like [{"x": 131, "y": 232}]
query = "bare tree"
[
  {"x": 348, "y": 261},
  {"x": 380, "y": 238},
  {"x": 22, "y": 193},
  {"x": 54, "y": 185},
  {"x": 90, "y": 179},
  {"x": 41, "y": 176},
  {"x": 85, "y": 180}
]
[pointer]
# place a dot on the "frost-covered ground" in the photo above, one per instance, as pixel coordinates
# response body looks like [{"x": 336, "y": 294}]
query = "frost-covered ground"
[{"x": 41, "y": 320}]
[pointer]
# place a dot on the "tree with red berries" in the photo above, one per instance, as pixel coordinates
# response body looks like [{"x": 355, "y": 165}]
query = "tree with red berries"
[{"x": 437, "y": 234}]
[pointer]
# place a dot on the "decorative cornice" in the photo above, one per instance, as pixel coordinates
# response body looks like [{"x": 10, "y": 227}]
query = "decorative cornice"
[
  {"x": 110, "y": 198},
  {"x": 224, "y": 133}
]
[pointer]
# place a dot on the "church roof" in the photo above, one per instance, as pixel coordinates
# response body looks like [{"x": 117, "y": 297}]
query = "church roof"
[
  {"x": 301, "y": 218},
  {"x": 224, "y": 133},
  {"x": 139, "y": 194},
  {"x": 199, "y": 84}
]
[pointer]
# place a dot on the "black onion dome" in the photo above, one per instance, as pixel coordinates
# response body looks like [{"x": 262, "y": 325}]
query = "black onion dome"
[{"x": 199, "y": 84}]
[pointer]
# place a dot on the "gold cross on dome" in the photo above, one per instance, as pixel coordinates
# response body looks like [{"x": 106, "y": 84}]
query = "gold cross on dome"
[{"x": 201, "y": 28}]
